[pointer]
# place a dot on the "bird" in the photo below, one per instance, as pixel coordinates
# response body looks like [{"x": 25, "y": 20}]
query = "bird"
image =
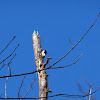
[{"x": 43, "y": 53}]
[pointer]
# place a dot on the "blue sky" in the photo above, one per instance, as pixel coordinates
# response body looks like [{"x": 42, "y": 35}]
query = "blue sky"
[{"x": 56, "y": 21}]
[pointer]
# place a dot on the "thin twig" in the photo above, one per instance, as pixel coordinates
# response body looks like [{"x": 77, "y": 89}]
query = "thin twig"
[
  {"x": 21, "y": 86},
  {"x": 30, "y": 86},
  {"x": 70, "y": 42},
  {"x": 85, "y": 81},
  {"x": 6, "y": 84},
  {"x": 94, "y": 86},
  {"x": 80, "y": 88},
  {"x": 66, "y": 65},
  {"x": 11, "y": 62},
  {"x": 2, "y": 66},
  {"x": 7, "y": 45},
  {"x": 10, "y": 54},
  {"x": 12, "y": 59},
  {"x": 8, "y": 63}
]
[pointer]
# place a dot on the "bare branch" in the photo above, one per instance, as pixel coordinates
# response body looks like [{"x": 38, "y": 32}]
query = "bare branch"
[
  {"x": 7, "y": 45},
  {"x": 10, "y": 54},
  {"x": 40, "y": 70},
  {"x": 85, "y": 81},
  {"x": 21, "y": 74},
  {"x": 3, "y": 65},
  {"x": 94, "y": 86},
  {"x": 8, "y": 63},
  {"x": 77, "y": 42},
  {"x": 47, "y": 60},
  {"x": 80, "y": 88},
  {"x": 11, "y": 62},
  {"x": 11, "y": 59},
  {"x": 6, "y": 84},
  {"x": 30, "y": 86},
  {"x": 70, "y": 42},
  {"x": 66, "y": 65},
  {"x": 62, "y": 95},
  {"x": 21, "y": 86}
]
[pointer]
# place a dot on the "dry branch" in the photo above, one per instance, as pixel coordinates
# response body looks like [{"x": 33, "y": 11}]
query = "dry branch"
[
  {"x": 66, "y": 65},
  {"x": 30, "y": 86},
  {"x": 70, "y": 42},
  {"x": 21, "y": 86},
  {"x": 10, "y": 54},
  {"x": 42, "y": 69},
  {"x": 6, "y": 84},
  {"x": 8, "y": 63},
  {"x": 7, "y": 45}
]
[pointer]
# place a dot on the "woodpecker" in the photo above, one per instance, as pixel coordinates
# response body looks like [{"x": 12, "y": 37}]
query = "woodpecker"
[{"x": 44, "y": 52}]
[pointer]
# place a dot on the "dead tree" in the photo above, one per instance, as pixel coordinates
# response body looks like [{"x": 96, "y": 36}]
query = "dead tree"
[
  {"x": 40, "y": 65},
  {"x": 42, "y": 75}
]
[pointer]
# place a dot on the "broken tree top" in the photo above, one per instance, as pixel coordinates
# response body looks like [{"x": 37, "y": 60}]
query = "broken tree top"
[{"x": 34, "y": 33}]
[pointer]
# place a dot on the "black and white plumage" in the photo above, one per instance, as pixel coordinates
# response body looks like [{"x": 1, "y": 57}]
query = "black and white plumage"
[{"x": 44, "y": 52}]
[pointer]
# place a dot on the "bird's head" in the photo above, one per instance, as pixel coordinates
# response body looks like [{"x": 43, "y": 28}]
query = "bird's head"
[{"x": 45, "y": 51}]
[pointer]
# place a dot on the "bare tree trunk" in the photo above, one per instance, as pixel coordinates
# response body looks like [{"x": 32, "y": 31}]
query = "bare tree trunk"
[{"x": 43, "y": 84}]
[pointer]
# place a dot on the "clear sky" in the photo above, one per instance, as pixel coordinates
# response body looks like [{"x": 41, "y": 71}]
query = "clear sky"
[{"x": 56, "y": 21}]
